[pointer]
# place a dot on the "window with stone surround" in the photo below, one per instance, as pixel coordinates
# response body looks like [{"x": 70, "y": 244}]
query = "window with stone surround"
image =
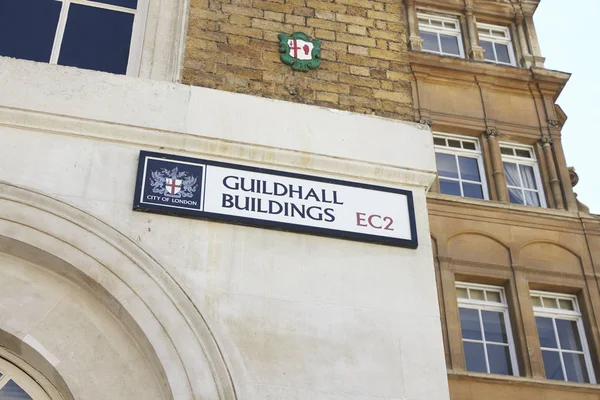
[
  {"x": 485, "y": 327},
  {"x": 17, "y": 385},
  {"x": 497, "y": 44},
  {"x": 562, "y": 338},
  {"x": 460, "y": 166},
  {"x": 441, "y": 35},
  {"x": 522, "y": 175}
]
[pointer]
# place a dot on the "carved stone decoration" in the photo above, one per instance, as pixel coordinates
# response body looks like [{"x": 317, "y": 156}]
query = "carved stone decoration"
[
  {"x": 416, "y": 43},
  {"x": 426, "y": 121},
  {"x": 491, "y": 132},
  {"x": 546, "y": 140},
  {"x": 573, "y": 175},
  {"x": 554, "y": 123}
]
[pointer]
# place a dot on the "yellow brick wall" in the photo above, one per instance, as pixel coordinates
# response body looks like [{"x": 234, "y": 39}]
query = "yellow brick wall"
[{"x": 232, "y": 45}]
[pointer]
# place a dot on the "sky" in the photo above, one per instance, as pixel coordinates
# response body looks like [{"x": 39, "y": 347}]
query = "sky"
[{"x": 565, "y": 30}]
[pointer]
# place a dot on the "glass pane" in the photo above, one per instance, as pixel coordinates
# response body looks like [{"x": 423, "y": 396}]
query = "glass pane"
[
  {"x": 454, "y": 143},
  {"x": 469, "y": 146},
  {"x": 575, "y": 368},
  {"x": 123, "y": 3},
  {"x": 446, "y": 165},
  {"x": 550, "y": 302},
  {"x": 568, "y": 334},
  {"x": 469, "y": 169},
  {"x": 552, "y": 365},
  {"x": 545, "y": 330},
  {"x": 449, "y": 44},
  {"x": 27, "y": 28},
  {"x": 477, "y": 294},
  {"x": 493, "y": 326},
  {"x": 502, "y": 53},
  {"x": 516, "y": 196},
  {"x": 498, "y": 33},
  {"x": 469, "y": 323},
  {"x": 423, "y": 21},
  {"x": 450, "y": 25},
  {"x": 461, "y": 293},
  {"x": 472, "y": 190},
  {"x": 439, "y": 141},
  {"x": 475, "y": 357},
  {"x": 499, "y": 359},
  {"x": 450, "y": 187},
  {"x": 532, "y": 198},
  {"x": 12, "y": 391},
  {"x": 436, "y": 23},
  {"x": 566, "y": 304},
  {"x": 523, "y": 153},
  {"x": 512, "y": 174},
  {"x": 528, "y": 176},
  {"x": 536, "y": 301},
  {"x": 507, "y": 150},
  {"x": 96, "y": 39},
  {"x": 493, "y": 296},
  {"x": 430, "y": 41},
  {"x": 489, "y": 50}
]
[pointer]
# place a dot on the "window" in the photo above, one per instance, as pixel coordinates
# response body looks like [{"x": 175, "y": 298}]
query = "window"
[
  {"x": 496, "y": 42},
  {"x": 459, "y": 166},
  {"x": 17, "y": 385},
  {"x": 486, "y": 332},
  {"x": 440, "y": 35},
  {"x": 522, "y": 175},
  {"x": 103, "y": 35},
  {"x": 562, "y": 338}
]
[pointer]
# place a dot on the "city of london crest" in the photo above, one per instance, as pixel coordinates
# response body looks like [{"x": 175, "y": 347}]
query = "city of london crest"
[
  {"x": 173, "y": 183},
  {"x": 298, "y": 51}
]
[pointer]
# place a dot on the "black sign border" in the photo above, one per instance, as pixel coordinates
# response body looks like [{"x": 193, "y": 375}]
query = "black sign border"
[{"x": 282, "y": 226}]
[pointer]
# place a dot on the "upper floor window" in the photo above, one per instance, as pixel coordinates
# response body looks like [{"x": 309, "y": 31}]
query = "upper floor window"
[
  {"x": 562, "y": 337},
  {"x": 102, "y": 35},
  {"x": 440, "y": 35},
  {"x": 459, "y": 166},
  {"x": 15, "y": 384},
  {"x": 496, "y": 42},
  {"x": 485, "y": 327},
  {"x": 522, "y": 175}
]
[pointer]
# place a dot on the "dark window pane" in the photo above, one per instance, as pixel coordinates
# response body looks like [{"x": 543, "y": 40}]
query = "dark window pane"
[
  {"x": 96, "y": 39},
  {"x": 516, "y": 196},
  {"x": 545, "y": 330},
  {"x": 489, "y": 50},
  {"x": 493, "y": 326},
  {"x": 430, "y": 41},
  {"x": 472, "y": 190},
  {"x": 27, "y": 28},
  {"x": 475, "y": 357},
  {"x": 446, "y": 165},
  {"x": 449, "y": 187},
  {"x": 532, "y": 199},
  {"x": 507, "y": 150},
  {"x": 552, "y": 365},
  {"x": 469, "y": 323},
  {"x": 454, "y": 143},
  {"x": 575, "y": 367},
  {"x": 123, "y": 3},
  {"x": 469, "y": 169},
  {"x": 512, "y": 174},
  {"x": 439, "y": 141},
  {"x": 449, "y": 44},
  {"x": 502, "y": 53},
  {"x": 469, "y": 145},
  {"x": 568, "y": 335},
  {"x": 12, "y": 391},
  {"x": 499, "y": 359},
  {"x": 523, "y": 153}
]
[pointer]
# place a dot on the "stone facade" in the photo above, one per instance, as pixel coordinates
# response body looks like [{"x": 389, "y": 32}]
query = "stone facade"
[{"x": 232, "y": 45}]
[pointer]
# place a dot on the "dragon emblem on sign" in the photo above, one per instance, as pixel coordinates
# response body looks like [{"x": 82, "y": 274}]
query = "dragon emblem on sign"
[{"x": 173, "y": 183}]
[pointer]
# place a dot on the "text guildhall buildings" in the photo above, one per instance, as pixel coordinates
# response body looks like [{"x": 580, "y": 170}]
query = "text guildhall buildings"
[{"x": 289, "y": 199}]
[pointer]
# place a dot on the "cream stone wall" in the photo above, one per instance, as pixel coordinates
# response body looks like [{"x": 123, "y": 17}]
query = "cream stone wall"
[{"x": 212, "y": 310}]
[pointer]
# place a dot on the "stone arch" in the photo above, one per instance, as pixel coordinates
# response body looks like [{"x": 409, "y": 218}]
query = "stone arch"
[
  {"x": 549, "y": 255},
  {"x": 478, "y": 247},
  {"x": 133, "y": 287}
]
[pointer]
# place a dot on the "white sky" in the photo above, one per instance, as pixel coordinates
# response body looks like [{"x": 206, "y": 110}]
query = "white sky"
[{"x": 566, "y": 31}]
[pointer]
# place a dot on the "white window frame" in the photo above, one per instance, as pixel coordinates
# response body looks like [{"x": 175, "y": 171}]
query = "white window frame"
[
  {"x": 137, "y": 32},
  {"x": 485, "y": 305},
  {"x": 27, "y": 383},
  {"x": 446, "y": 31},
  {"x": 570, "y": 315},
  {"x": 533, "y": 162},
  {"x": 466, "y": 153},
  {"x": 495, "y": 39}
]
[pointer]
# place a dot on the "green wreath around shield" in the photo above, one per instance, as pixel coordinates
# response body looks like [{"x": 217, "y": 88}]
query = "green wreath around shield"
[{"x": 299, "y": 65}]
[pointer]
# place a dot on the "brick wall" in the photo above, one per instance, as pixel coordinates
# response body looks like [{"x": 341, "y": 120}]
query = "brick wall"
[{"x": 232, "y": 45}]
